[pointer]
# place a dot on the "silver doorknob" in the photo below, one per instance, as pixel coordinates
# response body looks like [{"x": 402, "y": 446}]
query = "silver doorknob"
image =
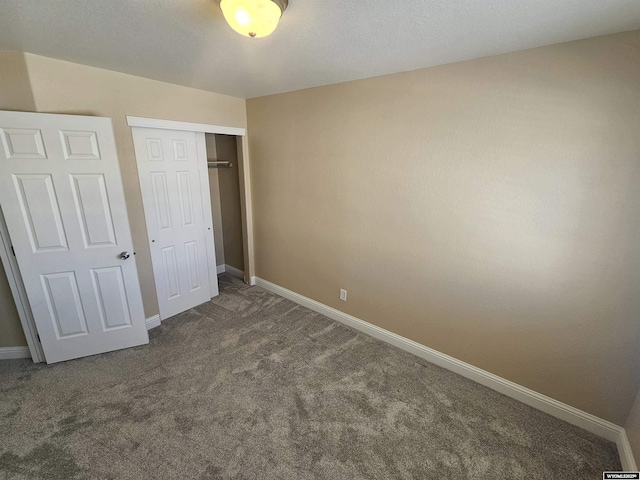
[{"x": 124, "y": 255}]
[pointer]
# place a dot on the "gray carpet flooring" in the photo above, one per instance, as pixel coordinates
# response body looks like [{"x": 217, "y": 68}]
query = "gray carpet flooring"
[{"x": 253, "y": 386}]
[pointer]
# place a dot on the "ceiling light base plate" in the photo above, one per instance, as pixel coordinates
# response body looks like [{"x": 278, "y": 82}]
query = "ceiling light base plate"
[{"x": 283, "y": 4}]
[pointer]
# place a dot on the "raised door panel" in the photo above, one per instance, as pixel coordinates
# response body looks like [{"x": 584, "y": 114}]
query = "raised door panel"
[
  {"x": 185, "y": 197},
  {"x": 25, "y": 143},
  {"x": 111, "y": 297},
  {"x": 154, "y": 150},
  {"x": 193, "y": 265},
  {"x": 80, "y": 145},
  {"x": 170, "y": 268},
  {"x": 161, "y": 200},
  {"x": 64, "y": 304},
  {"x": 40, "y": 212},
  {"x": 180, "y": 150},
  {"x": 93, "y": 210}
]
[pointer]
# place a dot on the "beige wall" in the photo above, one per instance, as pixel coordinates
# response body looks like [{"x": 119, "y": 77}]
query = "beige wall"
[
  {"x": 11, "y": 333},
  {"x": 633, "y": 428},
  {"x": 15, "y": 94},
  {"x": 15, "y": 88},
  {"x": 230, "y": 201},
  {"x": 489, "y": 209},
  {"x": 214, "y": 189},
  {"x": 63, "y": 87}
]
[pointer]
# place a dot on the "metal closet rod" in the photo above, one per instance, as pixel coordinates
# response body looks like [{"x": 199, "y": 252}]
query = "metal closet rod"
[{"x": 219, "y": 164}]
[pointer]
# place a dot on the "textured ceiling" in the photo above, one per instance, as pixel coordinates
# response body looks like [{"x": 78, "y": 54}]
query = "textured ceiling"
[{"x": 318, "y": 42}]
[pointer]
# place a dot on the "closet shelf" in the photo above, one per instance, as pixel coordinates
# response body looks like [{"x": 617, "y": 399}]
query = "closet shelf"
[{"x": 219, "y": 164}]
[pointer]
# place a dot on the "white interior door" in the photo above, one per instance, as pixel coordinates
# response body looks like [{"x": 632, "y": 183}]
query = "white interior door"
[
  {"x": 172, "y": 167},
  {"x": 62, "y": 197}
]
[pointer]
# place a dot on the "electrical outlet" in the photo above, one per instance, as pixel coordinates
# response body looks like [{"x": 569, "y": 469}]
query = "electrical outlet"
[{"x": 343, "y": 295}]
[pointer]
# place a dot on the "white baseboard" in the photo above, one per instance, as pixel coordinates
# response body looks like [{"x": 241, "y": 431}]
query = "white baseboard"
[
  {"x": 12, "y": 353},
  {"x": 560, "y": 410},
  {"x": 624, "y": 450},
  {"x": 236, "y": 272},
  {"x": 153, "y": 322}
]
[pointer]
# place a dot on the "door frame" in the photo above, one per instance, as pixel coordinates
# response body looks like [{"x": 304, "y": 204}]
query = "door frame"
[
  {"x": 244, "y": 173},
  {"x": 19, "y": 293}
]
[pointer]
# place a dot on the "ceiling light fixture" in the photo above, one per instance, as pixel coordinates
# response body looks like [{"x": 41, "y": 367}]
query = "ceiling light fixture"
[{"x": 253, "y": 18}]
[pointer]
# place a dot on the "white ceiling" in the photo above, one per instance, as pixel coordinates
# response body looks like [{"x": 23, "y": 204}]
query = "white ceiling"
[{"x": 318, "y": 42}]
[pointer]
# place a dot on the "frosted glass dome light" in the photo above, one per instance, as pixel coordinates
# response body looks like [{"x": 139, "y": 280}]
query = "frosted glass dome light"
[{"x": 253, "y": 18}]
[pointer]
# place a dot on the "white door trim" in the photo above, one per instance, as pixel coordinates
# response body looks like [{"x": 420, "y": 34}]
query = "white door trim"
[
  {"x": 244, "y": 174},
  {"x": 246, "y": 208},
  {"x": 19, "y": 293},
  {"x": 183, "y": 126}
]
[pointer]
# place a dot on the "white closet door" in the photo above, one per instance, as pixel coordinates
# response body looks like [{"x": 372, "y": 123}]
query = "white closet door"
[
  {"x": 172, "y": 168},
  {"x": 62, "y": 197}
]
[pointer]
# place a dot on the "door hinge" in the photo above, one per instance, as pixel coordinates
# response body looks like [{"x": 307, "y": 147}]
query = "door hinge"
[
  {"x": 38, "y": 335},
  {"x": 13, "y": 251}
]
